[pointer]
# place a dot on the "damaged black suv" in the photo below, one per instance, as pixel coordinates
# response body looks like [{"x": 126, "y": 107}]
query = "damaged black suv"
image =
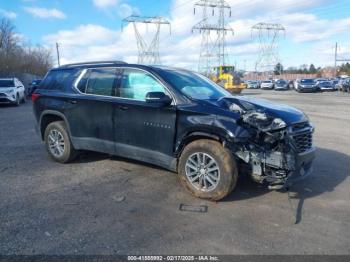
[{"x": 172, "y": 118}]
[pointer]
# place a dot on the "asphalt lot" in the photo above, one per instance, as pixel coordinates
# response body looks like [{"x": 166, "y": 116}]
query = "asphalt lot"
[{"x": 104, "y": 205}]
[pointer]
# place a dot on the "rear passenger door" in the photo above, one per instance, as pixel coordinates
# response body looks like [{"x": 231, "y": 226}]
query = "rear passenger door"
[
  {"x": 91, "y": 112},
  {"x": 143, "y": 131}
]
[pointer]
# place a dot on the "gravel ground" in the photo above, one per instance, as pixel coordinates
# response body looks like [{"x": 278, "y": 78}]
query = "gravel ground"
[{"x": 104, "y": 205}]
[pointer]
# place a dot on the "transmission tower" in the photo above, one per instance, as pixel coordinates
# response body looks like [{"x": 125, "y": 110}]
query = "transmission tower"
[
  {"x": 268, "y": 37},
  {"x": 148, "y": 53},
  {"x": 213, "y": 45}
]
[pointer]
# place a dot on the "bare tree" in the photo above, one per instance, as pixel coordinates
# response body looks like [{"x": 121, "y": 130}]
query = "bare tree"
[{"x": 16, "y": 58}]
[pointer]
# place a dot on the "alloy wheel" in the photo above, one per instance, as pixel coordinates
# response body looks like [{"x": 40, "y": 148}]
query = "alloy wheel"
[
  {"x": 202, "y": 171},
  {"x": 56, "y": 143}
]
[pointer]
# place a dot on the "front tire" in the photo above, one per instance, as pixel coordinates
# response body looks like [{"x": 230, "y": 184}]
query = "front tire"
[
  {"x": 58, "y": 144},
  {"x": 18, "y": 101},
  {"x": 207, "y": 169}
]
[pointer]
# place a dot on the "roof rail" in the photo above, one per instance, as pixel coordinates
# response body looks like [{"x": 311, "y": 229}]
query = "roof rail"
[{"x": 93, "y": 63}]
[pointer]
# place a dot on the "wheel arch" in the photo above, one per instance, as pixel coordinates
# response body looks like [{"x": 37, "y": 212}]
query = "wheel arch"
[
  {"x": 49, "y": 116},
  {"x": 196, "y": 135}
]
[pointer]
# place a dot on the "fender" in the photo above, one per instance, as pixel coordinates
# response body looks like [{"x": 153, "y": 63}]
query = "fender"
[
  {"x": 182, "y": 142},
  {"x": 56, "y": 113}
]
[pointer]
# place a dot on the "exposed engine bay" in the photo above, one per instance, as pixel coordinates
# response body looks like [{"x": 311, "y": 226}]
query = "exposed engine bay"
[{"x": 275, "y": 153}]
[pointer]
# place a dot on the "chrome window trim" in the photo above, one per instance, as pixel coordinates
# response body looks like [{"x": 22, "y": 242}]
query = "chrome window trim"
[{"x": 84, "y": 71}]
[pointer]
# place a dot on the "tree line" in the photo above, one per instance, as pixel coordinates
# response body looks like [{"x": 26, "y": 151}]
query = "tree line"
[
  {"x": 16, "y": 57},
  {"x": 312, "y": 69},
  {"x": 304, "y": 69},
  {"x": 344, "y": 69}
]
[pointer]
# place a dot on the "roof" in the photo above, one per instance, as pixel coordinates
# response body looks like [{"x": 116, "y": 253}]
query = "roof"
[
  {"x": 92, "y": 63},
  {"x": 156, "y": 68}
]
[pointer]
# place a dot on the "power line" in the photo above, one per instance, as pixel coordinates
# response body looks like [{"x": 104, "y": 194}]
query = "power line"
[
  {"x": 148, "y": 53},
  {"x": 267, "y": 34},
  {"x": 213, "y": 48}
]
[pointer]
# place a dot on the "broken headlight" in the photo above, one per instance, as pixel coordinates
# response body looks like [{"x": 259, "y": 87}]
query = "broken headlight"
[
  {"x": 277, "y": 123},
  {"x": 263, "y": 122}
]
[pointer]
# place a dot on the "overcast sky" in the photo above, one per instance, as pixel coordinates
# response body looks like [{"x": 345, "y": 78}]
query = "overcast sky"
[{"x": 91, "y": 29}]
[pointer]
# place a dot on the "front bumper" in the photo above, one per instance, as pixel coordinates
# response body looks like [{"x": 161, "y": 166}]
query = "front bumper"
[
  {"x": 281, "y": 87},
  {"x": 330, "y": 89},
  {"x": 308, "y": 89},
  {"x": 7, "y": 98},
  {"x": 267, "y": 87},
  {"x": 303, "y": 167}
]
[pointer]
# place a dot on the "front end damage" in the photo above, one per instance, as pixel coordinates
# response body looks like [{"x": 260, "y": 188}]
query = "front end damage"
[{"x": 276, "y": 153}]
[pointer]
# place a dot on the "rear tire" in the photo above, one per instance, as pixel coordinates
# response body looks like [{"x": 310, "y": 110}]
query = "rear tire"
[
  {"x": 58, "y": 144},
  {"x": 215, "y": 174}
]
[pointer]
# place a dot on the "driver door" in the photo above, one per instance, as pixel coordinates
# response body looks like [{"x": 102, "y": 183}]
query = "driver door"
[{"x": 143, "y": 131}]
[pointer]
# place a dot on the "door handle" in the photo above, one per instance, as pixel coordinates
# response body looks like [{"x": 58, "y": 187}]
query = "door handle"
[
  {"x": 72, "y": 101},
  {"x": 123, "y": 107}
]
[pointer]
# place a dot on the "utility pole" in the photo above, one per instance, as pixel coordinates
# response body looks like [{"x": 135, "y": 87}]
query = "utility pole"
[
  {"x": 267, "y": 35},
  {"x": 213, "y": 49},
  {"x": 335, "y": 59},
  {"x": 58, "y": 54},
  {"x": 148, "y": 53}
]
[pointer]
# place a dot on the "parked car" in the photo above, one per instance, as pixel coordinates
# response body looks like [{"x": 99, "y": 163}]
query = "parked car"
[
  {"x": 11, "y": 91},
  {"x": 268, "y": 84},
  {"x": 339, "y": 85},
  {"x": 326, "y": 86},
  {"x": 319, "y": 80},
  {"x": 345, "y": 87},
  {"x": 281, "y": 85},
  {"x": 291, "y": 84},
  {"x": 173, "y": 118},
  {"x": 253, "y": 84},
  {"x": 33, "y": 86},
  {"x": 307, "y": 85}
]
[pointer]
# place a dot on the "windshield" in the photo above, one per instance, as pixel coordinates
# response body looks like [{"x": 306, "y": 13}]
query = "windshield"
[
  {"x": 194, "y": 85},
  {"x": 307, "y": 81},
  {"x": 267, "y": 82},
  {"x": 6, "y": 83},
  {"x": 281, "y": 82}
]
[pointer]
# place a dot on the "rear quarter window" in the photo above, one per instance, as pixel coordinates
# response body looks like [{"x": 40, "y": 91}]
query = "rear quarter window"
[{"x": 57, "y": 79}]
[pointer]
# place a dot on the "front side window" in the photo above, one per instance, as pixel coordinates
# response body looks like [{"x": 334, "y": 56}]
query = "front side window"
[
  {"x": 100, "y": 81},
  {"x": 135, "y": 84},
  {"x": 194, "y": 85}
]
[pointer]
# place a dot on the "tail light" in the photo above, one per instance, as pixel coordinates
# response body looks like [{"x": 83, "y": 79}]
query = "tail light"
[{"x": 35, "y": 97}]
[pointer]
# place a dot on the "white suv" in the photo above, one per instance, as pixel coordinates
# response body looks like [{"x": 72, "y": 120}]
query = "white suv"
[{"x": 11, "y": 91}]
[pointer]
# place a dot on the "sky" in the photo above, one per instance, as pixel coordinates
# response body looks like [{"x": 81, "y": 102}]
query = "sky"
[{"x": 90, "y": 30}]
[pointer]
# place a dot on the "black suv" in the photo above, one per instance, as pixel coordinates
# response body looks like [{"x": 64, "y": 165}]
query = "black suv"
[{"x": 173, "y": 118}]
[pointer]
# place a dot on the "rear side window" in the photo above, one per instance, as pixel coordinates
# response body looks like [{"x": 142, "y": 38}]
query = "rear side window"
[
  {"x": 56, "y": 79},
  {"x": 100, "y": 81}
]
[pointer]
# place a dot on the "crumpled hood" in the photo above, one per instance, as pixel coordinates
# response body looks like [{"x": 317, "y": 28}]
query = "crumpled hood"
[{"x": 288, "y": 114}]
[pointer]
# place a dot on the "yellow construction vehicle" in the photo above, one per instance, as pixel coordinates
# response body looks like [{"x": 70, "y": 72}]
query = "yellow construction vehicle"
[{"x": 227, "y": 78}]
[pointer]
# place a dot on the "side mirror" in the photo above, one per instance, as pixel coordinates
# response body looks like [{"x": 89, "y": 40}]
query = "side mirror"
[{"x": 158, "y": 98}]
